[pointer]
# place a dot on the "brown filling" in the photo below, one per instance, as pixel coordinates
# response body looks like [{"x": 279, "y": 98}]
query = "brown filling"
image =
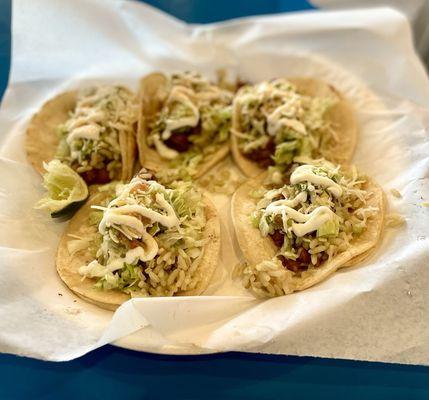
[
  {"x": 96, "y": 176},
  {"x": 179, "y": 142},
  {"x": 262, "y": 155},
  {"x": 304, "y": 258},
  {"x": 300, "y": 264},
  {"x": 277, "y": 237}
]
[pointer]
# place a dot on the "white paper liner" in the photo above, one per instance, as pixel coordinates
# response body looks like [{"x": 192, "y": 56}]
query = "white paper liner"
[{"x": 377, "y": 311}]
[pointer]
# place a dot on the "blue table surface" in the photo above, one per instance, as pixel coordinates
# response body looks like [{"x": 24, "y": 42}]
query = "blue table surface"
[{"x": 110, "y": 372}]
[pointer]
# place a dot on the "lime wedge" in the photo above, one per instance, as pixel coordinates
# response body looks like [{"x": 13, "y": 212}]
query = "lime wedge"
[{"x": 67, "y": 191}]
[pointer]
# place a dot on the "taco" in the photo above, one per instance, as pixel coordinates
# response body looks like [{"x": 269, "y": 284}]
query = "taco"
[
  {"x": 92, "y": 131},
  {"x": 146, "y": 239},
  {"x": 274, "y": 122},
  {"x": 184, "y": 124},
  {"x": 294, "y": 235}
]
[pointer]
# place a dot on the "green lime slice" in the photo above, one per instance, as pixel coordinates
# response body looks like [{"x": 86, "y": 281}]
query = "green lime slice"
[{"x": 67, "y": 191}]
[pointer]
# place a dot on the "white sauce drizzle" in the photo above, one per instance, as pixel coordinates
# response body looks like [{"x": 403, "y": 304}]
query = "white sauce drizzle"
[
  {"x": 282, "y": 117},
  {"x": 300, "y": 198},
  {"x": 120, "y": 216},
  {"x": 305, "y": 173},
  {"x": 181, "y": 95},
  {"x": 126, "y": 218},
  {"x": 146, "y": 252},
  {"x": 304, "y": 223},
  {"x": 91, "y": 132},
  {"x": 85, "y": 116}
]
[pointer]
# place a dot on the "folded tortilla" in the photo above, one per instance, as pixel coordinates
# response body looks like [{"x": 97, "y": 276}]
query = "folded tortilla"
[
  {"x": 257, "y": 249},
  {"x": 68, "y": 264},
  {"x": 341, "y": 115},
  {"x": 42, "y": 140},
  {"x": 152, "y": 96}
]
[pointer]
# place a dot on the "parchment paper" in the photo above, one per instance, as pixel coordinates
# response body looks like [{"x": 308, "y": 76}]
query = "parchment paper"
[{"x": 377, "y": 311}]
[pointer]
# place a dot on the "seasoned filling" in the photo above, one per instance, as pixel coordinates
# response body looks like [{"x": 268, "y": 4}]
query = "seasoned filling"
[
  {"x": 96, "y": 176},
  {"x": 277, "y": 237},
  {"x": 180, "y": 141},
  {"x": 301, "y": 263},
  {"x": 263, "y": 156},
  {"x": 303, "y": 260}
]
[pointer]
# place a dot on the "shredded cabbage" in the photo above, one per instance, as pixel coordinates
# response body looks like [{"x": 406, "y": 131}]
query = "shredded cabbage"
[
  {"x": 276, "y": 111},
  {"x": 340, "y": 216},
  {"x": 128, "y": 263},
  {"x": 200, "y": 111},
  {"x": 89, "y": 139}
]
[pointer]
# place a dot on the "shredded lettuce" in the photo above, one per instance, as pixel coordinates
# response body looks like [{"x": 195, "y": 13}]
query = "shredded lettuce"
[
  {"x": 285, "y": 152},
  {"x": 278, "y": 111},
  {"x": 202, "y": 112},
  {"x": 126, "y": 280},
  {"x": 347, "y": 217},
  {"x": 89, "y": 139},
  {"x": 178, "y": 245},
  {"x": 343, "y": 216},
  {"x": 329, "y": 228}
]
